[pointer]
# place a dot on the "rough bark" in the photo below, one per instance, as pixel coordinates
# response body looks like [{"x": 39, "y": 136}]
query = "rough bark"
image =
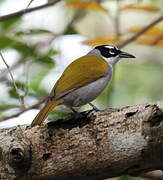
[
  {"x": 153, "y": 175},
  {"x": 100, "y": 145}
]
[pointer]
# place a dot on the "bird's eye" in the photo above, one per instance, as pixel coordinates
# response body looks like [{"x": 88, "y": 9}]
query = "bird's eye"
[{"x": 112, "y": 52}]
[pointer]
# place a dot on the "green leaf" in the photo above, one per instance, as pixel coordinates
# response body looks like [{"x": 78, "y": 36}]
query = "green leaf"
[
  {"x": 9, "y": 23},
  {"x": 1, "y": 1},
  {"x": 7, "y": 42},
  {"x": 70, "y": 30},
  {"x": 24, "y": 48},
  {"x": 13, "y": 93},
  {"x": 52, "y": 52},
  {"x": 46, "y": 60}
]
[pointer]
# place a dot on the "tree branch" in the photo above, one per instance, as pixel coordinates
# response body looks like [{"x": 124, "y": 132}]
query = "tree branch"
[
  {"x": 24, "y": 109},
  {"x": 12, "y": 78},
  {"x": 136, "y": 35},
  {"x": 100, "y": 145},
  {"x": 27, "y": 10}
]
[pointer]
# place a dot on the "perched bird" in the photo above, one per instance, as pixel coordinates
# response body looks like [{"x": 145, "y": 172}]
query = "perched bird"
[{"x": 83, "y": 80}]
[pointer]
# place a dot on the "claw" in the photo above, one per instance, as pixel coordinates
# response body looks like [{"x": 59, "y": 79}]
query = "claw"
[{"x": 94, "y": 107}]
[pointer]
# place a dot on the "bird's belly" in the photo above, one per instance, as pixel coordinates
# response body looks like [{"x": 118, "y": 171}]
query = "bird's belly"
[{"x": 86, "y": 94}]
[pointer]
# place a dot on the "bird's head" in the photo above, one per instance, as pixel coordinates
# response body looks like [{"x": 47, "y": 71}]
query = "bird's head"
[{"x": 110, "y": 53}]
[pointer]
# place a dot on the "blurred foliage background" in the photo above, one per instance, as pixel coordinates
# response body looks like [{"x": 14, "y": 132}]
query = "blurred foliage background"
[{"x": 39, "y": 45}]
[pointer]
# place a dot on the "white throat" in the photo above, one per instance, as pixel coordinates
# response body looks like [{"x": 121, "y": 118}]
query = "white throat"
[{"x": 112, "y": 61}]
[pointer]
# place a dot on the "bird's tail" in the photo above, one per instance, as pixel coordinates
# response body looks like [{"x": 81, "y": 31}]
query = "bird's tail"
[{"x": 44, "y": 112}]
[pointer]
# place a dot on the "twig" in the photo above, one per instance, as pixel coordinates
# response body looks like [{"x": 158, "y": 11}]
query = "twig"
[
  {"x": 4, "y": 72},
  {"x": 29, "y": 3},
  {"x": 12, "y": 77},
  {"x": 136, "y": 35},
  {"x": 25, "y": 109},
  {"x": 14, "y": 66},
  {"x": 25, "y": 11}
]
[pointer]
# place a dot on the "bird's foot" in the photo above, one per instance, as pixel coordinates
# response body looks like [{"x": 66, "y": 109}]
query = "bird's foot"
[
  {"x": 94, "y": 107},
  {"x": 74, "y": 111}
]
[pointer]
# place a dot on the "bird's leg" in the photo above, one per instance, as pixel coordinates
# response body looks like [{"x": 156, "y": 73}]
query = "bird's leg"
[
  {"x": 76, "y": 115},
  {"x": 94, "y": 107},
  {"x": 74, "y": 111}
]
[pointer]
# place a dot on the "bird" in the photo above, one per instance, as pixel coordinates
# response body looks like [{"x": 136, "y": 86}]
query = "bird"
[{"x": 83, "y": 80}]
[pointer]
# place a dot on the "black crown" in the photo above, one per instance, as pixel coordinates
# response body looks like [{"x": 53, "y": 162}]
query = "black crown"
[{"x": 108, "y": 51}]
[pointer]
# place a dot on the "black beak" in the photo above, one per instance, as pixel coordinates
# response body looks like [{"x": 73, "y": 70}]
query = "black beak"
[{"x": 125, "y": 55}]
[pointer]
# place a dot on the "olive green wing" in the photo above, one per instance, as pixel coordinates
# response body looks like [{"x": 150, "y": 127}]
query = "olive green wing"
[{"x": 80, "y": 72}]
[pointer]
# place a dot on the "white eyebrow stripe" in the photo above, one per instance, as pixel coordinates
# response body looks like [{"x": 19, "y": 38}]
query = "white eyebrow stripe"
[{"x": 109, "y": 47}]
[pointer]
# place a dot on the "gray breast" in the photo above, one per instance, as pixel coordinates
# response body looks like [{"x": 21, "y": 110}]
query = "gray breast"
[{"x": 87, "y": 93}]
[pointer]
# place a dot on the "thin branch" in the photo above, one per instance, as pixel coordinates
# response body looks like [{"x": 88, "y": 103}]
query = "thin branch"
[
  {"x": 29, "y": 3},
  {"x": 25, "y": 109},
  {"x": 12, "y": 77},
  {"x": 25, "y": 11},
  {"x": 136, "y": 35},
  {"x": 3, "y": 74}
]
